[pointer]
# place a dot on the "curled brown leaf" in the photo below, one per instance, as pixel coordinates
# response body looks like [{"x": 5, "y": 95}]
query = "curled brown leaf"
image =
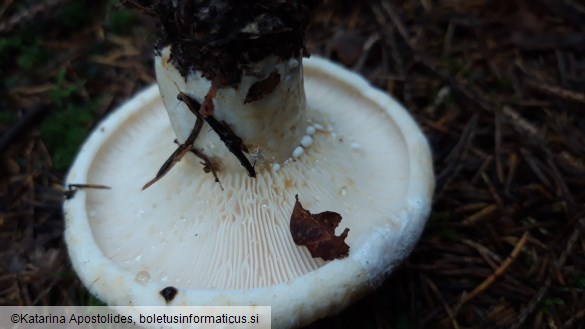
[{"x": 317, "y": 232}]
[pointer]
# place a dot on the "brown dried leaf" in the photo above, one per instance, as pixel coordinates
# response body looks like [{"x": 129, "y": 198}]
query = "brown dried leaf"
[
  {"x": 317, "y": 232},
  {"x": 262, "y": 88}
]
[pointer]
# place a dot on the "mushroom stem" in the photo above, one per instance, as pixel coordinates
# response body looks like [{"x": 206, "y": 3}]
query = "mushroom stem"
[
  {"x": 243, "y": 62},
  {"x": 266, "y": 109}
]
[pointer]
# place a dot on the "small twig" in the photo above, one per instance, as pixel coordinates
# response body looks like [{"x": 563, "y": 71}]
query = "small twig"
[
  {"x": 492, "y": 190},
  {"x": 577, "y": 231},
  {"x": 487, "y": 163},
  {"x": 204, "y": 113},
  {"x": 448, "y": 39},
  {"x": 562, "y": 188},
  {"x": 498, "y": 147},
  {"x": 390, "y": 40},
  {"x": 557, "y": 91},
  {"x": 573, "y": 320},
  {"x": 443, "y": 302},
  {"x": 533, "y": 164},
  {"x": 30, "y": 117},
  {"x": 528, "y": 309},
  {"x": 233, "y": 143},
  {"x": 482, "y": 249},
  {"x": 496, "y": 274},
  {"x": 513, "y": 162},
  {"x": 73, "y": 188},
  {"x": 366, "y": 49},
  {"x": 484, "y": 212},
  {"x": 454, "y": 159},
  {"x": 532, "y": 304},
  {"x": 207, "y": 165},
  {"x": 520, "y": 123},
  {"x": 28, "y": 15},
  {"x": 138, "y": 6},
  {"x": 178, "y": 154},
  {"x": 535, "y": 82},
  {"x": 206, "y": 109},
  {"x": 391, "y": 12}
]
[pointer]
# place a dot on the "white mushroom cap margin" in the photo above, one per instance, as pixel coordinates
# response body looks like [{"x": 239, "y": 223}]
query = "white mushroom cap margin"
[{"x": 371, "y": 164}]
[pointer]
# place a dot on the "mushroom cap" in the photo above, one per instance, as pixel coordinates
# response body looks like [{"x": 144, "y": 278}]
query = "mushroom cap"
[{"x": 367, "y": 160}]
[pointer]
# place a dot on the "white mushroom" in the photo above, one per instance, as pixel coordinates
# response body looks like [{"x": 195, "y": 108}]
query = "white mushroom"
[{"x": 233, "y": 246}]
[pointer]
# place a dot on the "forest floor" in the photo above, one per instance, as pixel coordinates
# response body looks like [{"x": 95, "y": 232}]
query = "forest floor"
[{"x": 498, "y": 87}]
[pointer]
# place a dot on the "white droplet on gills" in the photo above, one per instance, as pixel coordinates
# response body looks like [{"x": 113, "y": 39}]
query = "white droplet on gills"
[
  {"x": 298, "y": 151},
  {"x": 306, "y": 141}
]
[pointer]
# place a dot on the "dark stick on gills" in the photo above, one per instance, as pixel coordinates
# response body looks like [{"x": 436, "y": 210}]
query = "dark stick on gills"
[
  {"x": 233, "y": 143},
  {"x": 73, "y": 188},
  {"x": 207, "y": 164},
  {"x": 178, "y": 155}
]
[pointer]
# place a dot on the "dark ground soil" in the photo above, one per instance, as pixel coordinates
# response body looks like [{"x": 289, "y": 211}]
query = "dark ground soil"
[{"x": 498, "y": 87}]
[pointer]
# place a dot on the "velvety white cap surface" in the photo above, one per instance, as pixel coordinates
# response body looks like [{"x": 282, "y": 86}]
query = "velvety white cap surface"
[{"x": 368, "y": 161}]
